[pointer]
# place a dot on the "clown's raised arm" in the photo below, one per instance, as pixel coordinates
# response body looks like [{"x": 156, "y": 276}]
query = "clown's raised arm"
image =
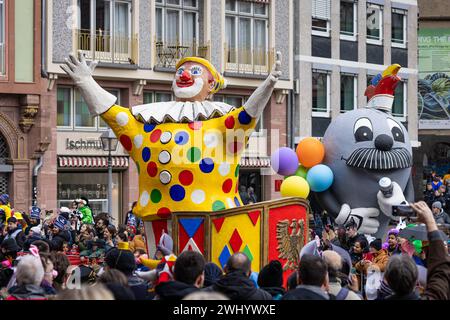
[
  {"x": 97, "y": 99},
  {"x": 258, "y": 100}
]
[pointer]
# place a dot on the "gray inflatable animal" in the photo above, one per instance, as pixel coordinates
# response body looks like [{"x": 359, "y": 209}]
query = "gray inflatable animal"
[{"x": 362, "y": 147}]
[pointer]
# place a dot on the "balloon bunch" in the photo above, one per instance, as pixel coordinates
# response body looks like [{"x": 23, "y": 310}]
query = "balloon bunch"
[{"x": 302, "y": 169}]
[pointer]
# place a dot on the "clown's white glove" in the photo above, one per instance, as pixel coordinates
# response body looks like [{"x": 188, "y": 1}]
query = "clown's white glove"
[
  {"x": 97, "y": 99},
  {"x": 258, "y": 100},
  {"x": 364, "y": 218},
  {"x": 386, "y": 204}
]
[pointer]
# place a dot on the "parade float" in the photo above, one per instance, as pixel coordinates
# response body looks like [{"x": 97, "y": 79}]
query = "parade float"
[{"x": 187, "y": 154}]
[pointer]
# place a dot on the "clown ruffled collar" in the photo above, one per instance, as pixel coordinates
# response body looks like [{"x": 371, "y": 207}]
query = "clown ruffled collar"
[{"x": 180, "y": 112}]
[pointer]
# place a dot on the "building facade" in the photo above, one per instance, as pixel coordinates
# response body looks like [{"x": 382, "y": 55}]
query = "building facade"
[
  {"x": 434, "y": 69},
  {"x": 138, "y": 43},
  {"x": 339, "y": 47},
  {"x": 26, "y": 125}
]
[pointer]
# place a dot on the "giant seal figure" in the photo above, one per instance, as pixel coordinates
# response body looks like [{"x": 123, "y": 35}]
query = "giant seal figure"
[{"x": 363, "y": 146}]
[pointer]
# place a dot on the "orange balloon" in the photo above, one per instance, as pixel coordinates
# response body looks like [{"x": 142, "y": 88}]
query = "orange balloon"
[{"x": 310, "y": 152}]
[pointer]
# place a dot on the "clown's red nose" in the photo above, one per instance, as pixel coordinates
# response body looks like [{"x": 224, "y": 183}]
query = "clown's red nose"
[{"x": 185, "y": 76}]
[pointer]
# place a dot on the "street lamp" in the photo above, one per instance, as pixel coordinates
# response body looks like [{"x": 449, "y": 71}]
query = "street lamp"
[{"x": 109, "y": 143}]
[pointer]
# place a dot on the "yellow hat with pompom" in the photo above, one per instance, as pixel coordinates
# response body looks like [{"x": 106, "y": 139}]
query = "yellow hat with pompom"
[{"x": 219, "y": 79}]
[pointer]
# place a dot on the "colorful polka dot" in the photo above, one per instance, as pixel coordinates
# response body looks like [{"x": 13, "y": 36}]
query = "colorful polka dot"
[
  {"x": 149, "y": 127},
  {"x": 177, "y": 193},
  {"x": 211, "y": 140},
  {"x": 165, "y": 177},
  {"x": 154, "y": 137},
  {"x": 227, "y": 186},
  {"x": 196, "y": 125},
  {"x": 126, "y": 142},
  {"x": 198, "y": 196},
  {"x": 164, "y": 157},
  {"x": 207, "y": 165},
  {"x": 244, "y": 118},
  {"x": 230, "y": 203},
  {"x": 146, "y": 154},
  {"x": 181, "y": 138},
  {"x": 152, "y": 169},
  {"x": 194, "y": 154},
  {"x": 138, "y": 141},
  {"x": 186, "y": 178},
  {"x": 166, "y": 137},
  {"x": 144, "y": 199},
  {"x": 230, "y": 122},
  {"x": 218, "y": 205},
  {"x": 224, "y": 169},
  {"x": 156, "y": 196},
  {"x": 236, "y": 172},
  {"x": 122, "y": 119},
  {"x": 237, "y": 202}
]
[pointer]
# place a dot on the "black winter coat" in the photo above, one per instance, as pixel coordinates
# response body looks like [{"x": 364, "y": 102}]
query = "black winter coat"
[{"x": 174, "y": 290}]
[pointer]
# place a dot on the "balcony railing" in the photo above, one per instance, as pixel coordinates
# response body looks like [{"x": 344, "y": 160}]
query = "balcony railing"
[
  {"x": 257, "y": 61},
  {"x": 105, "y": 47},
  {"x": 168, "y": 54}
]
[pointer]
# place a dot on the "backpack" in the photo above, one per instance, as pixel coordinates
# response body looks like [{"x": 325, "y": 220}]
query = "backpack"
[{"x": 342, "y": 294}]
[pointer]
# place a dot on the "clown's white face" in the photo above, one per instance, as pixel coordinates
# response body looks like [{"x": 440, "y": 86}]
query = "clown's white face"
[{"x": 192, "y": 82}]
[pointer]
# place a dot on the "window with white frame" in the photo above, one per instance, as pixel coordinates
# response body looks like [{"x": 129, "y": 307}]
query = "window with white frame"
[
  {"x": 152, "y": 97},
  {"x": 321, "y": 93},
  {"x": 399, "y": 106},
  {"x": 349, "y": 92},
  {"x": 321, "y": 16},
  {"x": 2, "y": 38},
  {"x": 349, "y": 19},
  {"x": 105, "y": 27},
  {"x": 73, "y": 112},
  {"x": 177, "y": 22},
  {"x": 246, "y": 32},
  {"x": 399, "y": 28},
  {"x": 374, "y": 15}
]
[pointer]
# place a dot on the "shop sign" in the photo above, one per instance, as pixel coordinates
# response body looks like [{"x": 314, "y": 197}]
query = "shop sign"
[{"x": 83, "y": 144}]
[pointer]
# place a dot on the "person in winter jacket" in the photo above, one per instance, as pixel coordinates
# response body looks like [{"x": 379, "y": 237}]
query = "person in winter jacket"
[
  {"x": 5, "y": 207},
  {"x": 60, "y": 234},
  {"x": 380, "y": 258},
  {"x": 428, "y": 195},
  {"x": 392, "y": 246},
  {"x": 85, "y": 210},
  {"x": 270, "y": 279},
  {"x": 33, "y": 219},
  {"x": 401, "y": 272},
  {"x": 29, "y": 276},
  {"x": 189, "y": 275},
  {"x": 235, "y": 284},
  {"x": 33, "y": 235},
  {"x": 439, "y": 215},
  {"x": 15, "y": 232},
  {"x": 123, "y": 260}
]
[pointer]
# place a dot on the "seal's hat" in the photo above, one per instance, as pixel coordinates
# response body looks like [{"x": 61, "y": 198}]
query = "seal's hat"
[{"x": 382, "y": 89}]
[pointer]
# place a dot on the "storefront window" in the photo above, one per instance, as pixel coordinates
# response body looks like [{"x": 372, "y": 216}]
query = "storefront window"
[
  {"x": 250, "y": 186},
  {"x": 92, "y": 185}
]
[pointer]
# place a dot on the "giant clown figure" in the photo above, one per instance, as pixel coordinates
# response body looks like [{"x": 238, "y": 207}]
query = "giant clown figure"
[
  {"x": 187, "y": 151},
  {"x": 362, "y": 147}
]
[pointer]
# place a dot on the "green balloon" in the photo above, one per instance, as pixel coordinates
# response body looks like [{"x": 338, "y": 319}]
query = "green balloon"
[{"x": 301, "y": 172}]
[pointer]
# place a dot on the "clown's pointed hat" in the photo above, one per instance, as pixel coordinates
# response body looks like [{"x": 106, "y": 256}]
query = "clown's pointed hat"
[{"x": 382, "y": 89}]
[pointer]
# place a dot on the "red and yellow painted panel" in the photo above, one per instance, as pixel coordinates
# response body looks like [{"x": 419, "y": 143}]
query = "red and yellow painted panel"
[{"x": 236, "y": 233}]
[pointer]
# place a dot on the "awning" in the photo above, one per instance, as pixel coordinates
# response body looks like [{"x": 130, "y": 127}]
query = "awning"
[
  {"x": 255, "y": 162},
  {"x": 92, "y": 162}
]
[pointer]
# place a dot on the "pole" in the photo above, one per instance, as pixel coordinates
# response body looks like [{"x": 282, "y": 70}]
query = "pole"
[{"x": 109, "y": 181}]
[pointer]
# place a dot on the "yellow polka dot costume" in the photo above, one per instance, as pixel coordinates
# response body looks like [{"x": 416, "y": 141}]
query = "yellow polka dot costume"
[{"x": 184, "y": 166}]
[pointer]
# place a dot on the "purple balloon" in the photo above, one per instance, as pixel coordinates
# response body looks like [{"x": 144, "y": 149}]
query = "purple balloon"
[{"x": 285, "y": 161}]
